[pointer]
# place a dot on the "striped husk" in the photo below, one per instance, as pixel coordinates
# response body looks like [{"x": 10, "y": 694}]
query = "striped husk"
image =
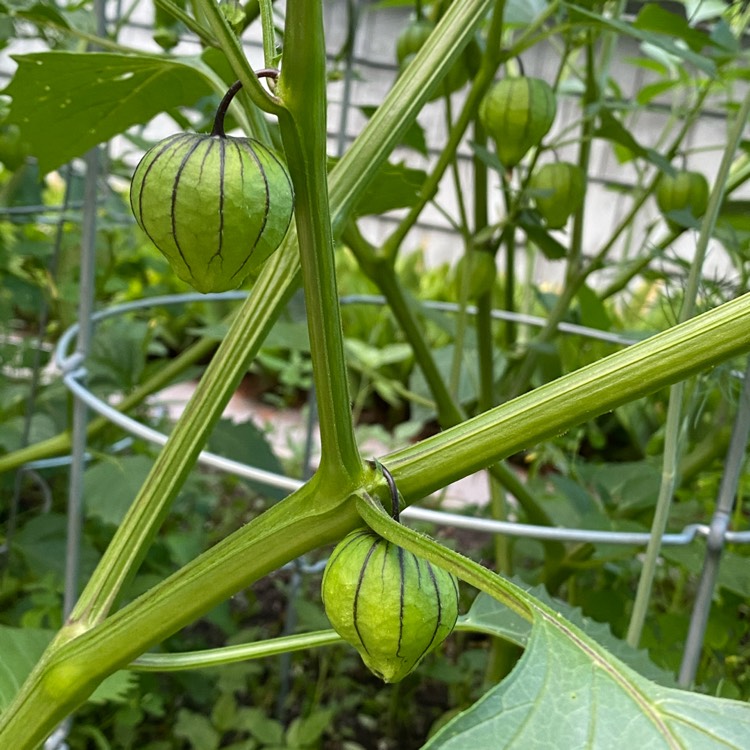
[
  {"x": 517, "y": 113},
  {"x": 391, "y": 605},
  {"x": 215, "y": 206}
]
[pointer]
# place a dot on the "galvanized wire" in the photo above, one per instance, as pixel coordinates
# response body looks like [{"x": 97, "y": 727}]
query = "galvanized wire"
[{"x": 717, "y": 536}]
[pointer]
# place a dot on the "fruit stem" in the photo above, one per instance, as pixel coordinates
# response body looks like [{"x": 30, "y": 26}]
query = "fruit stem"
[
  {"x": 395, "y": 504},
  {"x": 221, "y": 111}
]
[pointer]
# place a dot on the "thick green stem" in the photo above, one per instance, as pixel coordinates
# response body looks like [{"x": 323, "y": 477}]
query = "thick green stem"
[
  {"x": 547, "y": 411},
  {"x": 277, "y": 280},
  {"x": 220, "y": 380},
  {"x": 302, "y": 87},
  {"x": 73, "y": 666}
]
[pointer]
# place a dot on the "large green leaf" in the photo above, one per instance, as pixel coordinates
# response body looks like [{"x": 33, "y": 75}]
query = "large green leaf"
[
  {"x": 394, "y": 186},
  {"x": 487, "y": 615},
  {"x": 110, "y": 486},
  {"x": 65, "y": 102},
  {"x": 567, "y": 693}
]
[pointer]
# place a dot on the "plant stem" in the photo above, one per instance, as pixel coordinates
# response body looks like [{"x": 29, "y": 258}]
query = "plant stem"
[
  {"x": 189, "y": 22},
  {"x": 510, "y": 265},
  {"x": 376, "y": 517},
  {"x": 216, "y": 657},
  {"x": 490, "y": 63},
  {"x": 72, "y": 666},
  {"x": 235, "y": 55},
  {"x": 548, "y": 410},
  {"x": 78, "y": 660},
  {"x": 303, "y": 88},
  {"x": 486, "y": 400},
  {"x": 450, "y": 413},
  {"x": 269, "y": 33},
  {"x": 575, "y": 281},
  {"x": 674, "y": 411},
  {"x": 220, "y": 380}
]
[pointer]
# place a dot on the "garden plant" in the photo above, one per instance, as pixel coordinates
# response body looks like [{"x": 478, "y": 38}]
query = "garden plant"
[{"x": 572, "y": 432}]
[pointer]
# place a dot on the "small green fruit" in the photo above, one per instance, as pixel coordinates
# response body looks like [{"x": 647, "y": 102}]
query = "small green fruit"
[
  {"x": 517, "y": 113},
  {"x": 214, "y": 205},
  {"x": 481, "y": 269},
  {"x": 391, "y": 605},
  {"x": 685, "y": 191},
  {"x": 413, "y": 38},
  {"x": 13, "y": 149},
  {"x": 560, "y": 190}
]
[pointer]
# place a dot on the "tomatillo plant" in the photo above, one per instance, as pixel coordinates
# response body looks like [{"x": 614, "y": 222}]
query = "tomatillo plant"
[{"x": 220, "y": 207}]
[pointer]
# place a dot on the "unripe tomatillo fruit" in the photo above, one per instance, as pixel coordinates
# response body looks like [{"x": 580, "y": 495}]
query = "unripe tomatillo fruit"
[
  {"x": 481, "y": 270},
  {"x": 13, "y": 149},
  {"x": 413, "y": 37},
  {"x": 517, "y": 113},
  {"x": 391, "y": 605},
  {"x": 214, "y": 205},
  {"x": 684, "y": 191},
  {"x": 559, "y": 189}
]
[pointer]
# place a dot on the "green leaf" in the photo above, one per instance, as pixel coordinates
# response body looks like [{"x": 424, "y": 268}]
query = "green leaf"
[
  {"x": 394, "y": 186},
  {"x": 307, "y": 731},
  {"x": 263, "y": 728},
  {"x": 115, "y": 689},
  {"x": 110, "y": 486},
  {"x": 197, "y": 730},
  {"x": 653, "y": 17},
  {"x": 21, "y": 649},
  {"x": 662, "y": 41},
  {"x": 487, "y": 615},
  {"x": 42, "y": 542},
  {"x": 593, "y": 312},
  {"x": 737, "y": 214},
  {"x": 36, "y": 12},
  {"x": 65, "y": 103},
  {"x": 13, "y": 434},
  {"x": 611, "y": 129},
  {"x": 734, "y": 570},
  {"x": 550, "y": 247},
  {"x": 246, "y": 443},
  {"x": 567, "y": 692}
]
